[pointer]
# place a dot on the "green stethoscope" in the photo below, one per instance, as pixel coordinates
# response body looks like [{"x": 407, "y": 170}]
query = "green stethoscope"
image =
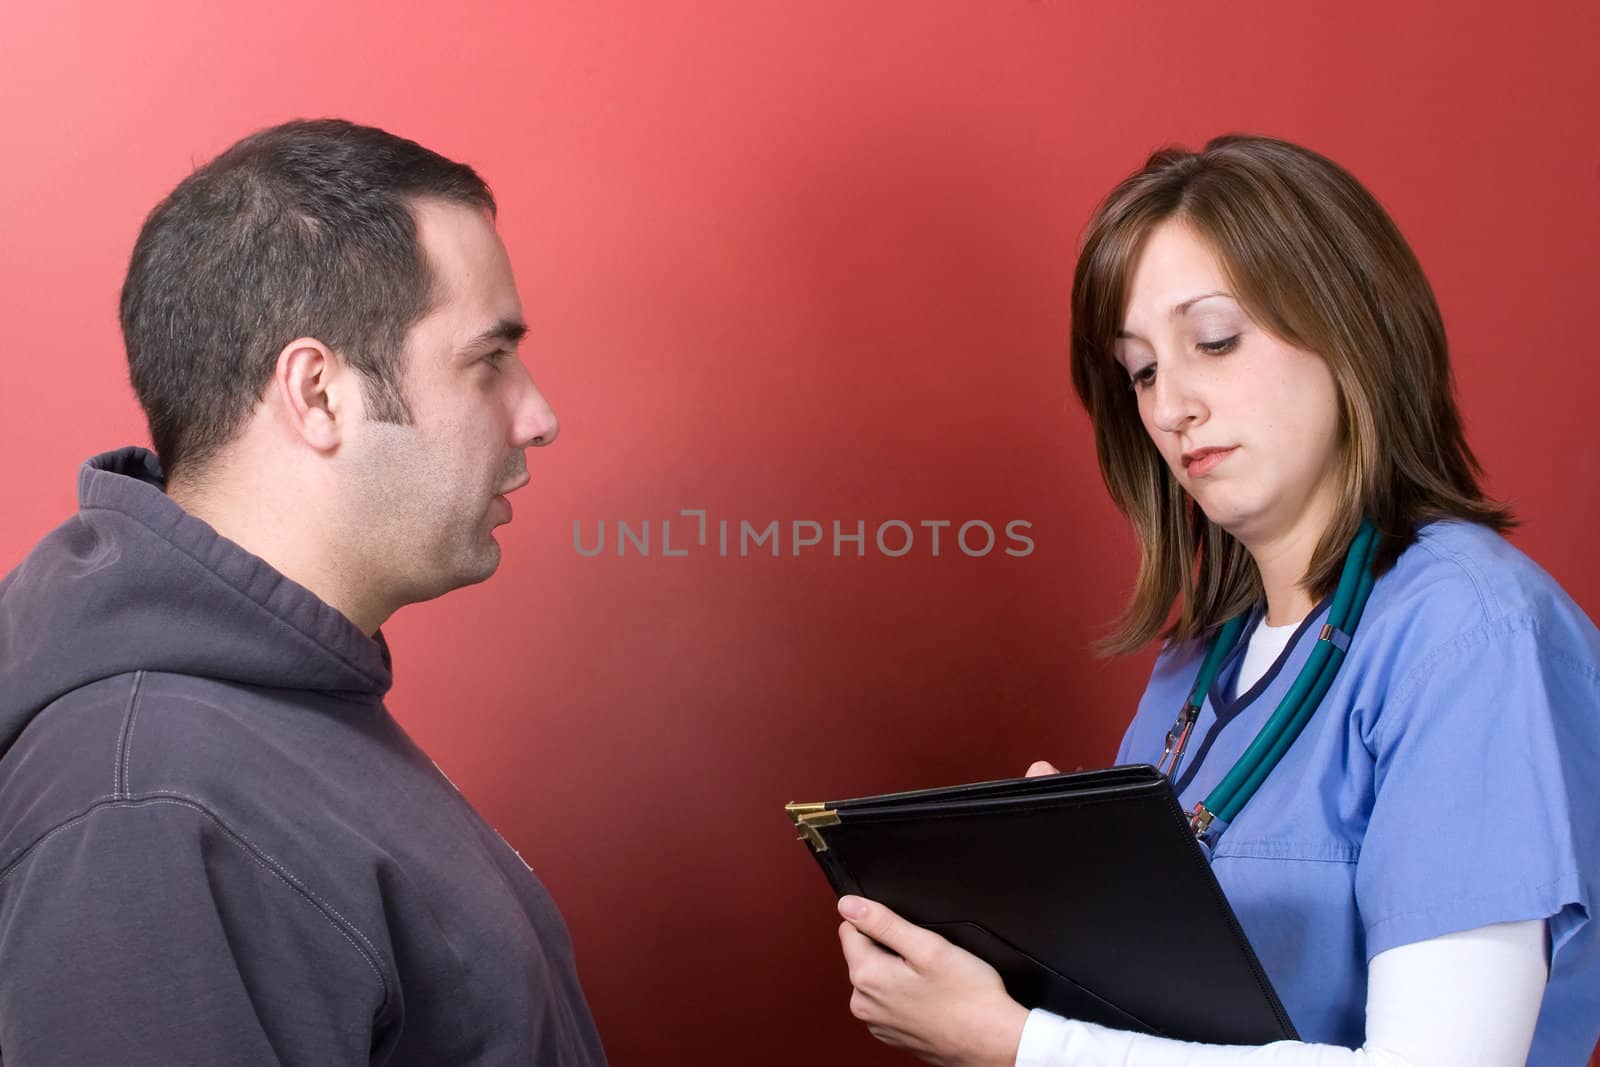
[{"x": 1297, "y": 706}]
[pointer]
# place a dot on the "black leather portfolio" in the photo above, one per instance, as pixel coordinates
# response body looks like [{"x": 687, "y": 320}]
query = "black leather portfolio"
[{"x": 1086, "y": 891}]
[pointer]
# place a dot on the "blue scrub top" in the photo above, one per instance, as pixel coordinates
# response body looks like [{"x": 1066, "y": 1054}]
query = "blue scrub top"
[{"x": 1450, "y": 779}]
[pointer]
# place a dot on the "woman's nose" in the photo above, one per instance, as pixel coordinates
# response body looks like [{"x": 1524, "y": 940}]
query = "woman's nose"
[{"x": 1175, "y": 400}]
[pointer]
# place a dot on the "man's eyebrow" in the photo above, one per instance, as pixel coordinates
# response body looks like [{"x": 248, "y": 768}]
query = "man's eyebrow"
[
  {"x": 1179, "y": 309},
  {"x": 506, "y": 331}
]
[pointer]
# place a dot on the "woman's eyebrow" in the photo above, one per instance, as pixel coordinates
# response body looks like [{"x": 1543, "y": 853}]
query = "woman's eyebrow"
[
  {"x": 1183, "y": 308},
  {"x": 1177, "y": 310}
]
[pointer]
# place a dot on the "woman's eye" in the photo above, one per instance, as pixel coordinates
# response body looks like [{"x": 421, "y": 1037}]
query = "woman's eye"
[
  {"x": 1142, "y": 377},
  {"x": 1217, "y": 348}
]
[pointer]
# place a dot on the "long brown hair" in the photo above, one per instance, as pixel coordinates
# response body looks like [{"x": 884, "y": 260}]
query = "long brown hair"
[{"x": 1314, "y": 260}]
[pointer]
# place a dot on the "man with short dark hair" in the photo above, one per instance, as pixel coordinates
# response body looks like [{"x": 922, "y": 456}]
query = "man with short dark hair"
[{"x": 216, "y": 846}]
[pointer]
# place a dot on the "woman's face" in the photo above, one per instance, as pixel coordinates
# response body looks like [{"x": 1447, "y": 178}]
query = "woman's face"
[{"x": 1248, "y": 424}]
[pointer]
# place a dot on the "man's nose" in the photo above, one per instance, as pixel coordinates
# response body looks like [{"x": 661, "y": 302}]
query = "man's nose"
[{"x": 536, "y": 424}]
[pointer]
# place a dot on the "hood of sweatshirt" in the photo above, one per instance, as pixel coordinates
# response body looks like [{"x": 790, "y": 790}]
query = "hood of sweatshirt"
[{"x": 133, "y": 582}]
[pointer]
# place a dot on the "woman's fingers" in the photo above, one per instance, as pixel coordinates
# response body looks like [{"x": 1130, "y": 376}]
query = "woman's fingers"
[{"x": 907, "y": 940}]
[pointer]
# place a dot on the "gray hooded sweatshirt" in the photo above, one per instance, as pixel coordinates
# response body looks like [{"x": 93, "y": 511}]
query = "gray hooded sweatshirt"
[{"x": 217, "y": 847}]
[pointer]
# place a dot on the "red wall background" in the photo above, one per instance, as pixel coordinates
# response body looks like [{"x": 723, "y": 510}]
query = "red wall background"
[{"x": 798, "y": 261}]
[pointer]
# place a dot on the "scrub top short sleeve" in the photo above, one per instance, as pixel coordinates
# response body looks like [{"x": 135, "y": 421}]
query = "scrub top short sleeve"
[
  {"x": 1469, "y": 745},
  {"x": 1450, "y": 779}
]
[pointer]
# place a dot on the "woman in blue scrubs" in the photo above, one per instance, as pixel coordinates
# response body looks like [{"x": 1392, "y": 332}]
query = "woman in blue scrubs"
[{"x": 1266, "y": 368}]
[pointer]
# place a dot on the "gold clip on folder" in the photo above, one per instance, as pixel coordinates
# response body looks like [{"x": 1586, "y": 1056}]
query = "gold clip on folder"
[{"x": 1086, "y": 891}]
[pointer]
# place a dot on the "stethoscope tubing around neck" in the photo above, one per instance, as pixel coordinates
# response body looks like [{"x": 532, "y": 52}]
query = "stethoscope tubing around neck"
[{"x": 1294, "y": 711}]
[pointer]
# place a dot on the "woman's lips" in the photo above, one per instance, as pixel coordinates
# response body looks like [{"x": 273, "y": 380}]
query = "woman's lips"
[{"x": 1202, "y": 461}]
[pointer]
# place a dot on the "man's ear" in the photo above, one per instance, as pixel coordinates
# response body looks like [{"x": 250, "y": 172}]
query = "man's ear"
[{"x": 317, "y": 392}]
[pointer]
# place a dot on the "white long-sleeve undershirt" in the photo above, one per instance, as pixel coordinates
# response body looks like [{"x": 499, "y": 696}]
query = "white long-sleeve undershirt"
[{"x": 1467, "y": 999}]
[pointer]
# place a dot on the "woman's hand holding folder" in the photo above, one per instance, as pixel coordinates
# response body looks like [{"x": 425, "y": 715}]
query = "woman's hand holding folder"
[
  {"x": 925, "y": 995},
  {"x": 918, "y": 992}
]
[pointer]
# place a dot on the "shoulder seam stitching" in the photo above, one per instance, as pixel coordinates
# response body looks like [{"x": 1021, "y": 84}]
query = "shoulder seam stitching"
[
  {"x": 1489, "y": 605},
  {"x": 119, "y": 769},
  {"x": 1508, "y": 625},
  {"x": 344, "y": 927}
]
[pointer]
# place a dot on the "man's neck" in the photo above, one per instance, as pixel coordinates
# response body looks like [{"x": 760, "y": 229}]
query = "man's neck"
[{"x": 265, "y": 527}]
